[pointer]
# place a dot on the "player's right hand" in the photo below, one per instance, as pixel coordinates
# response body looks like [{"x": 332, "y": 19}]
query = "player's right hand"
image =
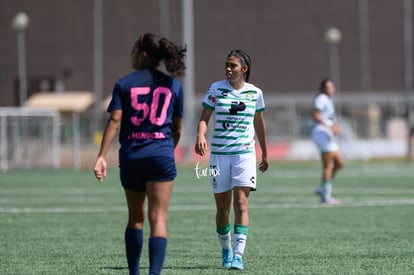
[
  {"x": 100, "y": 169},
  {"x": 201, "y": 146}
]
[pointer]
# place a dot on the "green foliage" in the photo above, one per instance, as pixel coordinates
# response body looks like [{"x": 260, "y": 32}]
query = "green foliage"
[{"x": 65, "y": 222}]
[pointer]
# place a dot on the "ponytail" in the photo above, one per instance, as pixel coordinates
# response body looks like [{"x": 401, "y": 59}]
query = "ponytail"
[
  {"x": 322, "y": 85},
  {"x": 162, "y": 49},
  {"x": 173, "y": 57}
]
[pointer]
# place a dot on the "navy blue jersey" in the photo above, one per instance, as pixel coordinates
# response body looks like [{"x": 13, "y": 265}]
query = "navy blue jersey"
[{"x": 149, "y": 99}]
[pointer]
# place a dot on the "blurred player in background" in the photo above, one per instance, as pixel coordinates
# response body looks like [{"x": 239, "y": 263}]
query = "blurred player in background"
[
  {"x": 147, "y": 106},
  {"x": 238, "y": 108},
  {"x": 323, "y": 134}
]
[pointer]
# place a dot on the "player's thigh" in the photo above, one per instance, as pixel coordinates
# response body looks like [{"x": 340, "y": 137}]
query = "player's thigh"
[
  {"x": 220, "y": 180},
  {"x": 329, "y": 158},
  {"x": 243, "y": 171},
  {"x": 338, "y": 160},
  {"x": 136, "y": 208},
  {"x": 159, "y": 194},
  {"x": 223, "y": 202}
]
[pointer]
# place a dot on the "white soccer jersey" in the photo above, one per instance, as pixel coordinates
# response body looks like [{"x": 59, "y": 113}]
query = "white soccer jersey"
[
  {"x": 324, "y": 104},
  {"x": 234, "y": 112}
]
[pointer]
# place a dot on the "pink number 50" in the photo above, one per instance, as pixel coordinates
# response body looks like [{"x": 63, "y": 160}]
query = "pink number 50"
[{"x": 151, "y": 110}]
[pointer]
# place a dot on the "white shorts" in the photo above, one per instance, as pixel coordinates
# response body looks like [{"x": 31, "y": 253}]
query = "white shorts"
[
  {"x": 232, "y": 171},
  {"x": 324, "y": 139}
]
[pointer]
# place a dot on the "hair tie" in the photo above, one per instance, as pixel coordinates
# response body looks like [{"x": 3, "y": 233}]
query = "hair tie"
[{"x": 141, "y": 42}]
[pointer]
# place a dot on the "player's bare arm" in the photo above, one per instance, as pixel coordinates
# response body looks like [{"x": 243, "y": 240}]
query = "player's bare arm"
[
  {"x": 201, "y": 145},
  {"x": 260, "y": 128},
  {"x": 111, "y": 130}
]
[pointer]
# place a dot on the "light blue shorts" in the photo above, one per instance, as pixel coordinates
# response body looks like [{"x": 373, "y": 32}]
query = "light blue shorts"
[{"x": 324, "y": 139}]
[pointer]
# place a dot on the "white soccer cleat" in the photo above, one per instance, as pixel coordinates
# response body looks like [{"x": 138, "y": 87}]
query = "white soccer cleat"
[{"x": 331, "y": 201}]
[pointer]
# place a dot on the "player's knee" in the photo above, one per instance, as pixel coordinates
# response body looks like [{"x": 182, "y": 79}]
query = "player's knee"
[
  {"x": 240, "y": 207},
  {"x": 223, "y": 212},
  {"x": 339, "y": 164},
  {"x": 134, "y": 224}
]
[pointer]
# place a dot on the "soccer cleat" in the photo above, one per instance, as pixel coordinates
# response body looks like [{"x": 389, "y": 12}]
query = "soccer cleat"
[
  {"x": 227, "y": 257},
  {"x": 320, "y": 191},
  {"x": 331, "y": 201},
  {"x": 237, "y": 263}
]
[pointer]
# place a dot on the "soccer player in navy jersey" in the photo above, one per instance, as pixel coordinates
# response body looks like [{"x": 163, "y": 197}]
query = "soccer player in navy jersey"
[
  {"x": 147, "y": 106},
  {"x": 237, "y": 107}
]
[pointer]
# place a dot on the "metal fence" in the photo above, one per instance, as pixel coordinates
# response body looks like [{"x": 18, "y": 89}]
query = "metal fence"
[
  {"x": 373, "y": 125},
  {"x": 29, "y": 138},
  {"x": 378, "y": 123},
  {"x": 368, "y": 116}
]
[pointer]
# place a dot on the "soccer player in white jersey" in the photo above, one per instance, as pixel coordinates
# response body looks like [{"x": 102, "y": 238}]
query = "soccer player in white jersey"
[
  {"x": 238, "y": 108},
  {"x": 323, "y": 134}
]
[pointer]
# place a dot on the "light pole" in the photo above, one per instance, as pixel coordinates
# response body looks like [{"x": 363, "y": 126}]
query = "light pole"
[
  {"x": 364, "y": 44},
  {"x": 408, "y": 72},
  {"x": 333, "y": 37},
  {"x": 187, "y": 7},
  {"x": 98, "y": 57},
  {"x": 165, "y": 29},
  {"x": 20, "y": 23}
]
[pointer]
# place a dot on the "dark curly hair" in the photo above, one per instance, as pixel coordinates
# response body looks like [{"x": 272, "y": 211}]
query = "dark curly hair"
[{"x": 160, "y": 48}]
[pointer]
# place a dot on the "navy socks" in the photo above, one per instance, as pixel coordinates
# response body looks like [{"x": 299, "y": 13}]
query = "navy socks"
[
  {"x": 133, "y": 244},
  {"x": 157, "y": 249}
]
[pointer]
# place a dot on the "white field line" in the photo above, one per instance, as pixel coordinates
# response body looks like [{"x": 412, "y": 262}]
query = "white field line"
[
  {"x": 387, "y": 172},
  {"x": 343, "y": 174},
  {"x": 297, "y": 205},
  {"x": 18, "y": 210},
  {"x": 345, "y": 203},
  {"x": 341, "y": 191}
]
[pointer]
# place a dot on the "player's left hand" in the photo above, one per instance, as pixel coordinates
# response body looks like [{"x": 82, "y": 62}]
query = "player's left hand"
[
  {"x": 335, "y": 129},
  {"x": 263, "y": 165}
]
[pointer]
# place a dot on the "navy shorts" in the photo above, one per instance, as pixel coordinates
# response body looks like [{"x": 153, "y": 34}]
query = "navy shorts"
[{"x": 135, "y": 173}]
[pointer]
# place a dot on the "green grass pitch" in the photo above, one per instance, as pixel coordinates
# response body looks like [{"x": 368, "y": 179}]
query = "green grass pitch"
[{"x": 65, "y": 222}]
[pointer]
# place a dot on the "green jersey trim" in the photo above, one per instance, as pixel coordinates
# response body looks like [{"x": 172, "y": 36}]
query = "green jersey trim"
[
  {"x": 205, "y": 105},
  {"x": 232, "y": 121},
  {"x": 230, "y": 130},
  {"x": 232, "y": 153},
  {"x": 225, "y": 137},
  {"x": 227, "y": 145}
]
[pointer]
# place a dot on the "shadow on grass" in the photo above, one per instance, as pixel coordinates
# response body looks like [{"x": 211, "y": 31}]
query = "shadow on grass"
[
  {"x": 114, "y": 268},
  {"x": 200, "y": 267}
]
